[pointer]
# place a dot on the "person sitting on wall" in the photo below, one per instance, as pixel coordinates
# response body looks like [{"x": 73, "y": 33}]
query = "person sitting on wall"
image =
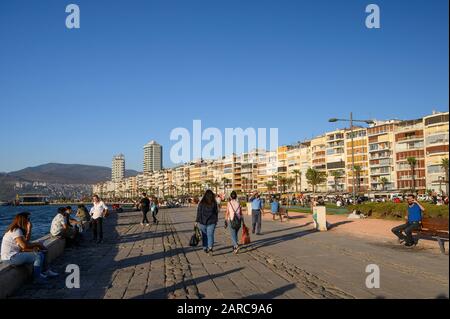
[
  {"x": 61, "y": 227},
  {"x": 17, "y": 250}
]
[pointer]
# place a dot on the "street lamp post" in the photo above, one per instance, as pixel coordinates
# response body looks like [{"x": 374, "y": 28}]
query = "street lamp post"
[
  {"x": 441, "y": 179},
  {"x": 351, "y": 120}
]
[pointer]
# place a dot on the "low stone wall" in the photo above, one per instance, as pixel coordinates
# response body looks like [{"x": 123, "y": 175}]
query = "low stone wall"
[{"x": 13, "y": 277}]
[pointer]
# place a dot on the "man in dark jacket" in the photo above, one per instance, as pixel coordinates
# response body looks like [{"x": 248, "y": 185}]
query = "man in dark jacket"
[{"x": 145, "y": 208}]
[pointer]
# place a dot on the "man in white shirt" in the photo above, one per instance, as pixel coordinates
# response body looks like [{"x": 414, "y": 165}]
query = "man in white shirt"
[{"x": 98, "y": 211}]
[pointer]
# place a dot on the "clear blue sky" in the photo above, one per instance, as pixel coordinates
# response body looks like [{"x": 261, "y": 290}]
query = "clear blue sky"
[{"x": 137, "y": 69}]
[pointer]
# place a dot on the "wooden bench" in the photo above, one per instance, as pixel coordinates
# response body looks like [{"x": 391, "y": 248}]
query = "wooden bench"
[{"x": 435, "y": 228}]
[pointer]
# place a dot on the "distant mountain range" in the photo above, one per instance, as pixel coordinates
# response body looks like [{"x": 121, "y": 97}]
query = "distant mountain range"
[
  {"x": 66, "y": 174},
  {"x": 54, "y": 173}
]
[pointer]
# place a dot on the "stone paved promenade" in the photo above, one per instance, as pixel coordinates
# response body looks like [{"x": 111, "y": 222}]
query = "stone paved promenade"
[{"x": 288, "y": 261}]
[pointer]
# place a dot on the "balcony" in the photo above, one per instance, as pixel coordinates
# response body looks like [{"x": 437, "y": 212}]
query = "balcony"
[
  {"x": 380, "y": 173},
  {"x": 409, "y": 177},
  {"x": 409, "y": 138}
]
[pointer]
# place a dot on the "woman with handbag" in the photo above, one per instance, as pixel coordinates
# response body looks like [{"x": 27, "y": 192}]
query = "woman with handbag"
[
  {"x": 234, "y": 218},
  {"x": 207, "y": 217}
]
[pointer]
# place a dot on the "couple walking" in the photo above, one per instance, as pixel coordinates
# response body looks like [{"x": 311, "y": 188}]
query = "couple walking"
[
  {"x": 208, "y": 216},
  {"x": 147, "y": 205}
]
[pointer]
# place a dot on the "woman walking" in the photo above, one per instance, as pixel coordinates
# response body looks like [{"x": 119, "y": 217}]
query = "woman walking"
[
  {"x": 234, "y": 219},
  {"x": 207, "y": 217}
]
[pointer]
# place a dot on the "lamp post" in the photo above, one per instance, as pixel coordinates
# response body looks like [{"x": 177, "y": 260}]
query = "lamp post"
[
  {"x": 441, "y": 179},
  {"x": 351, "y": 120}
]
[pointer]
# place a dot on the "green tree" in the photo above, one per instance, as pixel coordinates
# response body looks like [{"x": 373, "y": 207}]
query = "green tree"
[
  {"x": 412, "y": 162},
  {"x": 384, "y": 181},
  {"x": 336, "y": 176},
  {"x": 282, "y": 183},
  {"x": 298, "y": 177},
  {"x": 225, "y": 183},
  {"x": 315, "y": 178},
  {"x": 270, "y": 186},
  {"x": 215, "y": 184}
]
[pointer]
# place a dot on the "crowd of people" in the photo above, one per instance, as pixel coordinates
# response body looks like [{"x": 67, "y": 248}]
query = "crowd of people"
[{"x": 18, "y": 249}]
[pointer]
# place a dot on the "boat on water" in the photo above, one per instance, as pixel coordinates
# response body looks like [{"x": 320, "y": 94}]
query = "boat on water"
[
  {"x": 32, "y": 200},
  {"x": 5, "y": 203}
]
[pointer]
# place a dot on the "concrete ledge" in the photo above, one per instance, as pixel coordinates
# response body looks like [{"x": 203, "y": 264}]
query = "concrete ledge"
[{"x": 14, "y": 277}]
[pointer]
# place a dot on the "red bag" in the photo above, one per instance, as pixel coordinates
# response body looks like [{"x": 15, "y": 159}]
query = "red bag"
[{"x": 245, "y": 239}]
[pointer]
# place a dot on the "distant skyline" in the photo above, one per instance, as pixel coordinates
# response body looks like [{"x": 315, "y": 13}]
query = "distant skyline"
[{"x": 138, "y": 69}]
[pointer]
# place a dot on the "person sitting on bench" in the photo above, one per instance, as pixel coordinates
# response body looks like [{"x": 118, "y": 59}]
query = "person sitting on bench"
[{"x": 414, "y": 221}]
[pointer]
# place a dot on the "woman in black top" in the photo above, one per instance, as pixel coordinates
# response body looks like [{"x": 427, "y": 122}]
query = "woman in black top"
[{"x": 207, "y": 217}]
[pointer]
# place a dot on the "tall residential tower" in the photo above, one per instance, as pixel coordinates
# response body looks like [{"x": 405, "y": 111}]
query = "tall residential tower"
[
  {"x": 152, "y": 157},
  {"x": 118, "y": 168}
]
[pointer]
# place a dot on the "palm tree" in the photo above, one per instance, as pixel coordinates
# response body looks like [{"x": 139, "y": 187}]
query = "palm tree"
[
  {"x": 282, "y": 182},
  {"x": 215, "y": 184},
  {"x": 225, "y": 182},
  {"x": 358, "y": 170},
  {"x": 270, "y": 186},
  {"x": 412, "y": 161},
  {"x": 208, "y": 183},
  {"x": 297, "y": 176},
  {"x": 444, "y": 165},
  {"x": 336, "y": 176},
  {"x": 384, "y": 181},
  {"x": 315, "y": 178},
  {"x": 289, "y": 182}
]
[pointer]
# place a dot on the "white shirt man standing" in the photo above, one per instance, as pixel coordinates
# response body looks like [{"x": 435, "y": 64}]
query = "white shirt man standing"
[{"x": 98, "y": 211}]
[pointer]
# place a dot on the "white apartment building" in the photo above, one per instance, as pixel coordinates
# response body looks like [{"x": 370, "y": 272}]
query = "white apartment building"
[
  {"x": 152, "y": 157},
  {"x": 118, "y": 168}
]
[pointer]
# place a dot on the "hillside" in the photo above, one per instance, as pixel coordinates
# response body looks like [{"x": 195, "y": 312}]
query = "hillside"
[{"x": 66, "y": 174}]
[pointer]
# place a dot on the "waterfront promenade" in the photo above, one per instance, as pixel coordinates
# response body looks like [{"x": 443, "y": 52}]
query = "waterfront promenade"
[{"x": 289, "y": 260}]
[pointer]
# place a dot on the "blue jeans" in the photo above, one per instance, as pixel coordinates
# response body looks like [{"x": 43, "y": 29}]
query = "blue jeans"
[
  {"x": 234, "y": 236},
  {"x": 35, "y": 258},
  {"x": 207, "y": 235}
]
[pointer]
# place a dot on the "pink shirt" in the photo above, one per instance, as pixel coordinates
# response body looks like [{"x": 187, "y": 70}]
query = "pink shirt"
[{"x": 234, "y": 206}]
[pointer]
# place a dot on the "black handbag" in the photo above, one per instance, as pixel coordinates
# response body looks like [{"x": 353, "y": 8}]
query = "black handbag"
[{"x": 195, "y": 239}]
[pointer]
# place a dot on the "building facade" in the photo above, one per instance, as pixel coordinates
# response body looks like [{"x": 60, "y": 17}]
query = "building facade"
[
  {"x": 388, "y": 156},
  {"x": 153, "y": 157},
  {"x": 118, "y": 168}
]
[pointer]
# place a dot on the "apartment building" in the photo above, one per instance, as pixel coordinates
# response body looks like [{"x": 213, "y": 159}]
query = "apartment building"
[
  {"x": 335, "y": 161},
  {"x": 381, "y": 153},
  {"x": 318, "y": 158},
  {"x": 356, "y": 152},
  {"x": 381, "y": 139},
  {"x": 409, "y": 143},
  {"x": 436, "y": 135},
  {"x": 118, "y": 168}
]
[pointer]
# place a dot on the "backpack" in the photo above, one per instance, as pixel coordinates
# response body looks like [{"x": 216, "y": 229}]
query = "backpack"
[{"x": 236, "y": 221}]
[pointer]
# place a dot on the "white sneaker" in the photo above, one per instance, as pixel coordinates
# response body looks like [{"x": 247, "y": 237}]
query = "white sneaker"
[
  {"x": 147, "y": 224},
  {"x": 142, "y": 224},
  {"x": 43, "y": 276}
]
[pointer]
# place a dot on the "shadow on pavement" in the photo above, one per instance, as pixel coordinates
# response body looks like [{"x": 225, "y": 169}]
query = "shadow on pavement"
[
  {"x": 161, "y": 293},
  {"x": 273, "y": 293}
]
